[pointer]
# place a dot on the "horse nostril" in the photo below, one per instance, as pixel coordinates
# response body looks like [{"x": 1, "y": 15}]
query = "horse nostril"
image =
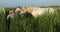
[{"x": 19, "y": 11}]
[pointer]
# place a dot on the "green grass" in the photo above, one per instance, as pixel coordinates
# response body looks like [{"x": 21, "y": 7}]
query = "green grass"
[
  {"x": 2, "y": 23},
  {"x": 44, "y": 23}
]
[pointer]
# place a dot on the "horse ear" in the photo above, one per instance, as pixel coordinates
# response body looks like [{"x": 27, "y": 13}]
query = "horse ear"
[{"x": 20, "y": 7}]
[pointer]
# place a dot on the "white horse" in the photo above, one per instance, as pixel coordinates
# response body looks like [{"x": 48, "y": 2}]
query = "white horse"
[
  {"x": 11, "y": 14},
  {"x": 36, "y": 11},
  {"x": 2, "y": 10}
]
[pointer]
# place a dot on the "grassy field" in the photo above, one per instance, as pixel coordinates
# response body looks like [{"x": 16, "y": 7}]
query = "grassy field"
[{"x": 44, "y": 23}]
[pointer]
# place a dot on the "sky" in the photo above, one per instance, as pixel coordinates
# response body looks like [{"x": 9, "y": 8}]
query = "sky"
[{"x": 15, "y": 3}]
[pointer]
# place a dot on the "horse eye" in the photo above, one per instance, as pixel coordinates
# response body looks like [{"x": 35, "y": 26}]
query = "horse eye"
[{"x": 19, "y": 11}]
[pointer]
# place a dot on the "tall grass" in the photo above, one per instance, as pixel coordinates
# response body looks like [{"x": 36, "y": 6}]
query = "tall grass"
[
  {"x": 2, "y": 22},
  {"x": 44, "y": 23}
]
